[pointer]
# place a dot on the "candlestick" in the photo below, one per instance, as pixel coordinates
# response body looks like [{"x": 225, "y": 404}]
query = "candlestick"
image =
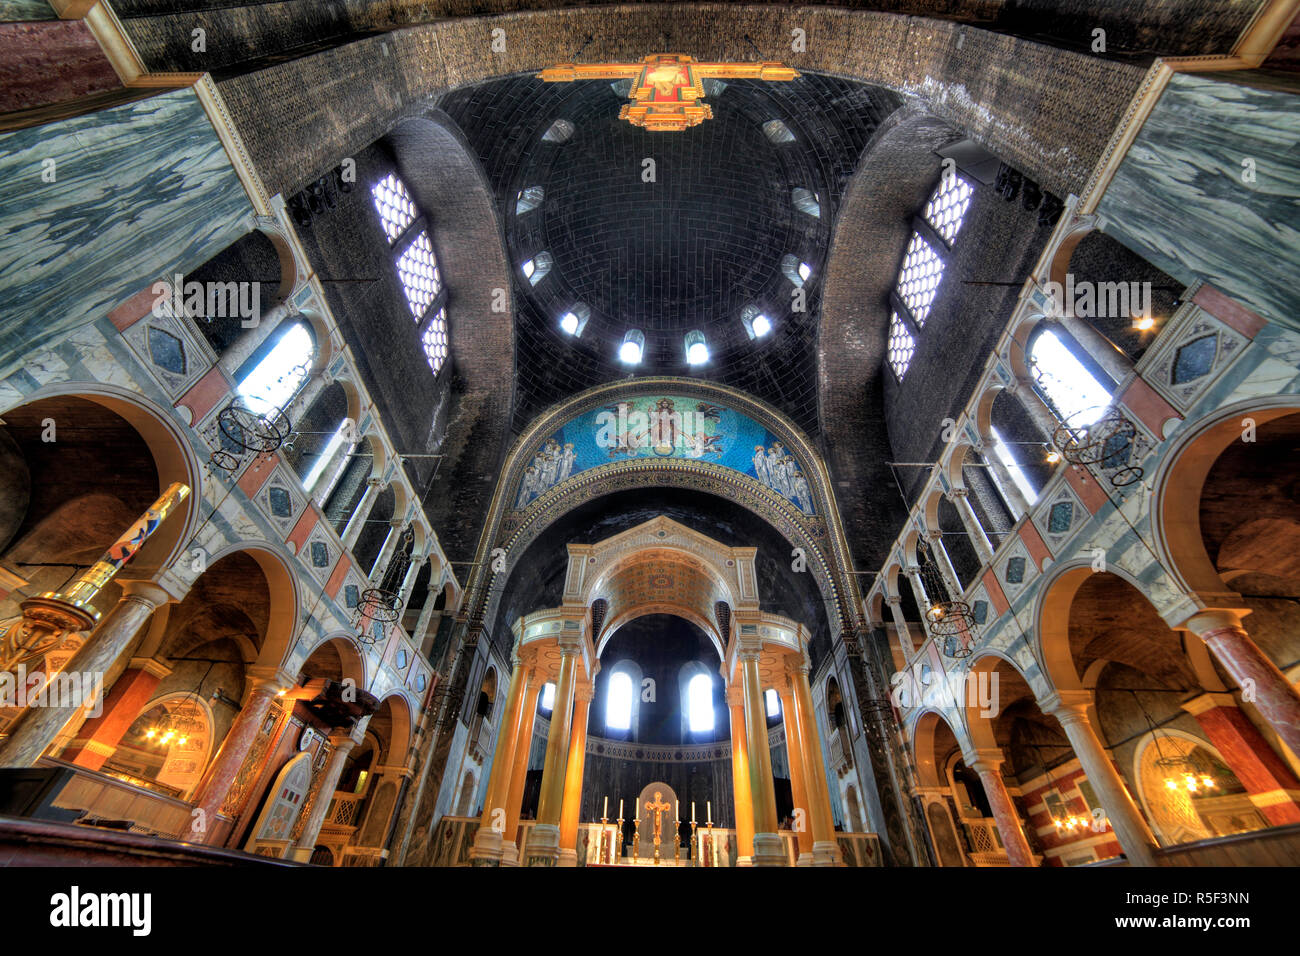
[
  {"x": 616, "y": 850},
  {"x": 604, "y": 835},
  {"x": 694, "y": 861},
  {"x": 636, "y": 838}
]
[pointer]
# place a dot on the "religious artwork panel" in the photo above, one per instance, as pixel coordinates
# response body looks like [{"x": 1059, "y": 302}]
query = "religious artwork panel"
[{"x": 666, "y": 427}]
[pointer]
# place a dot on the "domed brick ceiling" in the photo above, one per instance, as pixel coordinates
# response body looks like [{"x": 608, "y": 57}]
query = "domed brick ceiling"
[{"x": 688, "y": 251}]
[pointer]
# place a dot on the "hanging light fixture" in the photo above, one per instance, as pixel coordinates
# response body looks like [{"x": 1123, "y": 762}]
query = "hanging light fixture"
[
  {"x": 951, "y": 622},
  {"x": 1180, "y": 772},
  {"x": 181, "y": 723}
]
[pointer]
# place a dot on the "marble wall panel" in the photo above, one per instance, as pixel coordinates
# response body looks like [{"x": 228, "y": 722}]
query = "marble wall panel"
[
  {"x": 139, "y": 191},
  {"x": 1180, "y": 198}
]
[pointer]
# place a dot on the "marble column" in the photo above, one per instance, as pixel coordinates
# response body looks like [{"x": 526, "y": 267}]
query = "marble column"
[
  {"x": 99, "y": 736},
  {"x": 487, "y": 839},
  {"x": 576, "y": 763},
  {"x": 1269, "y": 782},
  {"x": 510, "y": 854},
  {"x": 1070, "y": 708},
  {"x": 987, "y": 764},
  {"x": 826, "y": 849},
  {"x": 391, "y": 543},
  {"x": 767, "y": 843},
  {"x": 923, "y": 600},
  {"x": 798, "y": 789},
  {"x": 742, "y": 795},
  {"x": 408, "y": 583},
  {"x": 1276, "y": 697},
  {"x": 357, "y": 523},
  {"x": 341, "y": 743},
  {"x": 544, "y": 839},
  {"x": 960, "y": 499},
  {"x": 944, "y": 563},
  {"x": 1006, "y": 485},
  {"x": 37, "y": 727},
  {"x": 211, "y": 792},
  {"x": 901, "y": 628}
]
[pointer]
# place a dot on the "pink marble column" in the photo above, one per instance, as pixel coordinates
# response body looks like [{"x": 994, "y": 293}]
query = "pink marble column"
[
  {"x": 1275, "y": 696},
  {"x": 987, "y": 764},
  {"x": 212, "y": 789}
]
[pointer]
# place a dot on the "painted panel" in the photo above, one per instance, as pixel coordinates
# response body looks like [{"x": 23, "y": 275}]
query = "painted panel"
[
  {"x": 138, "y": 191},
  {"x": 1183, "y": 198},
  {"x": 666, "y": 426}
]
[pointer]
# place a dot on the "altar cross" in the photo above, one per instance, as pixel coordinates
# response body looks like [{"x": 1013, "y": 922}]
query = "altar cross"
[{"x": 658, "y": 807}]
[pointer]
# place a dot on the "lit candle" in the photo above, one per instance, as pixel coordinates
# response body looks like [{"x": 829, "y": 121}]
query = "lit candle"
[
  {"x": 677, "y": 809},
  {"x": 620, "y": 808},
  {"x": 692, "y": 811},
  {"x": 709, "y": 810},
  {"x": 605, "y": 812}
]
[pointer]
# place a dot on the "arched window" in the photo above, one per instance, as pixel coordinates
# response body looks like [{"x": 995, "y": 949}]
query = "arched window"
[
  {"x": 548, "y": 697},
  {"x": 1006, "y": 454},
  {"x": 773, "y": 701},
  {"x": 699, "y": 698},
  {"x": 1069, "y": 388},
  {"x": 618, "y": 702},
  {"x": 327, "y": 470},
  {"x": 274, "y": 379}
]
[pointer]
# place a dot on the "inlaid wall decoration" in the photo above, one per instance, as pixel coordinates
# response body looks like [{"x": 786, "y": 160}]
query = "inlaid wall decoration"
[
  {"x": 319, "y": 554},
  {"x": 281, "y": 499},
  {"x": 171, "y": 349},
  {"x": 666, "y": 426},
  {"x": 1016, "y": 569},
  {"x": 1193, "y": 354},
  {"x": 1060, "y": 517}
]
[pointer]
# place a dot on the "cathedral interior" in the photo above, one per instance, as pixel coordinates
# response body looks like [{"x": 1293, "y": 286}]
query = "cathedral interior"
[{"x": 606, "y": 434}]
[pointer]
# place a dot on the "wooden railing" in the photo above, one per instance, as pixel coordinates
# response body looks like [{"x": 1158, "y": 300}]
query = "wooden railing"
[{"x": 115, "y": 803}]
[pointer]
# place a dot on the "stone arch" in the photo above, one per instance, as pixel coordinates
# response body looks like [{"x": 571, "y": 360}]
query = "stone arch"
[
  {"x": 173, "y": 456},
  {"x": 1178, "y": 484},
  {"x": 513, "y": 529},
  {"x": 282, "y": 627},
  {"x": 338, "y": 652},
  {"x": 921, "y": 735}
]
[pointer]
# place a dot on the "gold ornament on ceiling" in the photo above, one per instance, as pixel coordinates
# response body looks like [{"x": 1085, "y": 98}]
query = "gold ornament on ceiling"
[{"x": 667, "y": 88}]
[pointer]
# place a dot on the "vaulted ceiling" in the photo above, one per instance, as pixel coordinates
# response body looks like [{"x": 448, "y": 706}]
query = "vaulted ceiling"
[{"x": 683, "y": 242}]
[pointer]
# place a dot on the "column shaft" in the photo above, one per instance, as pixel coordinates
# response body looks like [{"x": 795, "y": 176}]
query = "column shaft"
[
  {"x": 544, "y": 838},
  {"x": 971, "y": 521},
  {"x": 1122, "y": 812},
  {"x": 570, "y": 813},
  {"x": 742, "y": 795},
  {"x": 306, "y": 842},
  {"x": 798, "y": 788},
  {"x": 37, "y": 727},
  {"x": 1275, "y": 696},
  {"x": 212, "y": 789},
  {"x": 767, "y": 844},
  {"x": 487, "y": 840},
  {"x": 1004, "y": 812},
  {"x": 826, "y": 851},
  {"x": 519, "y": 759}
]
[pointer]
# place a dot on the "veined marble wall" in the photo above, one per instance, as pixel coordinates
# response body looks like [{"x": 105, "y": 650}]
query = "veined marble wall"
[
  {"x": 1180, "y": 201},
  {"x": 26, "y": 10},
  {"x": 140, "y": 191}
]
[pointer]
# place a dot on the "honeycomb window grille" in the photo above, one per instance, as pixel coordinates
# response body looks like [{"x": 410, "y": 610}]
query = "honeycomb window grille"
[
  {"x": 919, "y": 278},
  {"x": 434, "y": 340},
  {"x": 901, "y": 347},
  {"x": 395, "y": 206},
  {"x": 418, "y": 269},
  {"x": 946, "y": 210}
]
